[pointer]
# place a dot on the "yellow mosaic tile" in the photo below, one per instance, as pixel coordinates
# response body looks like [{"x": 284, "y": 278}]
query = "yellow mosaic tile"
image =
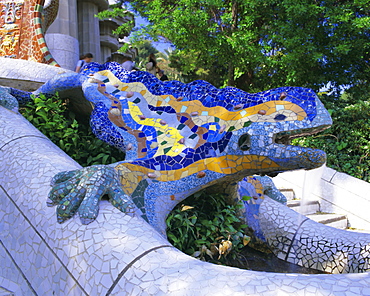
[
  {"x": 170, "y": 134},
  {"x": 218, "y": 164}
]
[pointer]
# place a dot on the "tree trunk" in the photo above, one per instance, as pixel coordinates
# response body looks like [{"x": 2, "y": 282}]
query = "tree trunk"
[
  {"x": 230, "y": 75},
  {"x": 231, "y": 69},
  {"x": 245, "y": 81}
]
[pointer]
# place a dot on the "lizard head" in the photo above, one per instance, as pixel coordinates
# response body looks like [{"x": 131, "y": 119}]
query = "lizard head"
[{"x": 286, "y": 113}]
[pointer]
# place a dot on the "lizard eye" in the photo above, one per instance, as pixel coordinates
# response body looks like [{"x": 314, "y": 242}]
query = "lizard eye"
[
  {"x": 280, "y": 117},
  {"x": 244, "y": 142}
]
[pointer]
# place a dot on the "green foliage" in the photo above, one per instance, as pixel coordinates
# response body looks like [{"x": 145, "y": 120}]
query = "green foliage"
[
  {"x": 164, "y": 63},
  {"x": 258, "y": 45},
  {"x": 206, "y": 227},
  {"x": 116, "y": 11},
  {"x": 73, "y": 135},
  {"x": 347, "y": 142},
  {"x": 192, "y": 67},
  {"x": 144, "y": 48}
]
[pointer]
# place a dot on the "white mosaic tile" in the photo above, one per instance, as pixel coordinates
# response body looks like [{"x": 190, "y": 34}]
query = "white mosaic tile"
[
  {"x": 27, "y": 70},
  {"x": 313, "y": 245}
]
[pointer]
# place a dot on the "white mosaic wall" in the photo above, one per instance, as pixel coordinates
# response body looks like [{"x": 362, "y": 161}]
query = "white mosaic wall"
[
  {"x": 117, "y": 254},
  {"x": 299, "y": 240},
  {"x": 26, "y": 75}
]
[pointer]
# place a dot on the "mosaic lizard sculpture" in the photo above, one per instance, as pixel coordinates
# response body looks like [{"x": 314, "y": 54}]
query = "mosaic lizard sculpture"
[{"x": 181, "y": 138}]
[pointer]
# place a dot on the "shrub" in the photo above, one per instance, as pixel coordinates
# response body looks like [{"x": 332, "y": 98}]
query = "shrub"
[
  {"x": 208, "y": 229},
  {"x": 72, "y": 134},
  {"x": 347, "y": 142}
]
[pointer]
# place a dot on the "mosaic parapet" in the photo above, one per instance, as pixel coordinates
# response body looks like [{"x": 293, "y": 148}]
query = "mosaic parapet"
[
  {"x": 299, "y": 240},
  {"x": 295, "y": 238},
  {"x": 117, "y": 254},
  {"x": 55, "y": 258},
  {"x": 26, "y": 75}
]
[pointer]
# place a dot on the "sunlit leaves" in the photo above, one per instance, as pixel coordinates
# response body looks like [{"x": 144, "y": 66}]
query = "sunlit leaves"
[
  {"x": 73, "y": 135},
  {"x": 207, "y": 228},
  {"x": 268, "y": 43}
]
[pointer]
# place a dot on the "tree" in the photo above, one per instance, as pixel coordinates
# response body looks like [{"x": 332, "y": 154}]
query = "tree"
[
  {"x": 192, "y": 66},
  {"x": 144, "y": 48},
  {"x": 264, "y": 44},
  {"x": 164, "y": 63}
]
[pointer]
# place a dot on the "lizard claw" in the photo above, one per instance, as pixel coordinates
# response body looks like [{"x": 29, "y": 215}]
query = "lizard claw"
[
  {"x": 81, "y": 190},
  {"x": 7, "y": 100}
]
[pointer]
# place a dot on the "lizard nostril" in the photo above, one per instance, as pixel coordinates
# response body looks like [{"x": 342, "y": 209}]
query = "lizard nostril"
[
  {"x": 280, "y": 117},
  {"x": 244, "y": 142}
]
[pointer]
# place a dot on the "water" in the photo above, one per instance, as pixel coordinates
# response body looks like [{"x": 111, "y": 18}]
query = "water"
[{"x": 252, "y": 259}]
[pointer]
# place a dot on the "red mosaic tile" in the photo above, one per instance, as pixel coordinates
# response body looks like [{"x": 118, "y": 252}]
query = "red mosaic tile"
[{"x": 19, "y": 21}]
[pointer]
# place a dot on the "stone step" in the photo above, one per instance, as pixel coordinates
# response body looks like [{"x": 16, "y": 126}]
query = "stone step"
[
  {"x": 289, "y": 193},
  {"x": 310, "y": 207},
  {"x": 334, "y": 220}
]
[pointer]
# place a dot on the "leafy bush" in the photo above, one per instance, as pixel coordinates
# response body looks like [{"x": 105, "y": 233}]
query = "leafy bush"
[
  {"x": 72, "y": 134},
  {"x": 209, "y": 229},
  {"x": 347, "y": 142}
]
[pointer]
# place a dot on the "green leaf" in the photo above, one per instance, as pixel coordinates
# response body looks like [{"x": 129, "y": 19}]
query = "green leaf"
[{"x": 246, "y": 197}]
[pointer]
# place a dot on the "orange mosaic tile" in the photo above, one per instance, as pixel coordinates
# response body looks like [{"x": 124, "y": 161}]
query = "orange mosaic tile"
[{"x": 21, "y": 33}]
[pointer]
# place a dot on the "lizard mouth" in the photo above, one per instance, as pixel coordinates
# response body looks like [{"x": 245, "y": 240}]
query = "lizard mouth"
[
  {"x": 286, "y": 137},
  {"x": 282, "y": 138},
  {"x": 278, "y": 149}
]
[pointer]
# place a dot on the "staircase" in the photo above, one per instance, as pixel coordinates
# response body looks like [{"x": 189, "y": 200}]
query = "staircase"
[{"x": 311, "y": 209}]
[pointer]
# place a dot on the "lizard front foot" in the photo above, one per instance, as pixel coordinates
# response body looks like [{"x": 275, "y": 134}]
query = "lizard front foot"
[
  {"x": 7, "y": 100},
  {"x": 81, "y": 190}
]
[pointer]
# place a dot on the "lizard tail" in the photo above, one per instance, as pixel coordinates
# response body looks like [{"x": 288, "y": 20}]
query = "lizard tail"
[{"x": 40, "y": 38}]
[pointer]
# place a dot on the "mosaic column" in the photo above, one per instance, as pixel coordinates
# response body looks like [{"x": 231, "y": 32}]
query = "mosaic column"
[
  {"x": 21, "y": 34},
  {"x": 88, "y": 27},
  {"x": 62, "y": 35}
]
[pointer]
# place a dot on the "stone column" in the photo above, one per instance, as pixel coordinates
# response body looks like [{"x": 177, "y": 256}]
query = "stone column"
[
  {"x": 110, "y": 43},
  {"x": 62, "y": 35},
  {"x": 88, "y": 27}
]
